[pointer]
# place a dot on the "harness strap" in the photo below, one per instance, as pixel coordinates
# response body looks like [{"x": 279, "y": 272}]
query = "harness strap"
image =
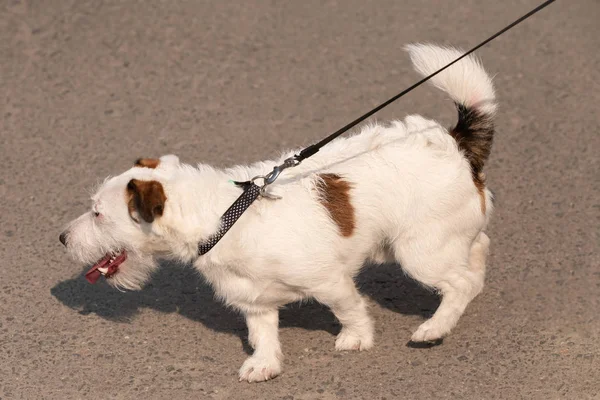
[{"x": 233, "y": 213}]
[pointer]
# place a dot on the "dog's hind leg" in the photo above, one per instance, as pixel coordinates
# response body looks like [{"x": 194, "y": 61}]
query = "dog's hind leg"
[
  {"x": 263, "y": 336},
  {"x": 350, "y": 309},
  {"x": 458, "y": 273}
]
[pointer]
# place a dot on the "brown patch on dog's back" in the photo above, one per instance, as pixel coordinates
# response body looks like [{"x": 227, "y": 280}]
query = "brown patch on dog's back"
[
  {"x": 147, "y": 162},
  {"x": 147, "y": 198},
  {"x": 335, "y": 197}
]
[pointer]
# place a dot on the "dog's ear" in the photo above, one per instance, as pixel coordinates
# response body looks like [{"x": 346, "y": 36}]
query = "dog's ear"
[
  {"x": 147, "y": 198},
  {"x": 163, "y": 162},
  {"x": 146, "y": 162}
]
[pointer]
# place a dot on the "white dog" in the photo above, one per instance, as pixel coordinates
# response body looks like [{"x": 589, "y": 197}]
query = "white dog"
[{"x": 410, "y": 192}]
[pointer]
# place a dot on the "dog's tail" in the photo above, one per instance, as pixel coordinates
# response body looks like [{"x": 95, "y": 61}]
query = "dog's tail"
[{"x": 472, "y": 90}]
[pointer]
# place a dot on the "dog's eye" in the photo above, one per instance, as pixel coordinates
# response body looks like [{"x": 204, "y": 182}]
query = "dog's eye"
[{"x": 96, "y": 214}]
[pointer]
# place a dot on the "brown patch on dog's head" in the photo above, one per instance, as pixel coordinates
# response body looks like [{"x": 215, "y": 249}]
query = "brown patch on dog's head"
[
  {"x": 147, "y": 198},
  {"x": 335, "y": 197},
  {"x": 147, "y": 162}
]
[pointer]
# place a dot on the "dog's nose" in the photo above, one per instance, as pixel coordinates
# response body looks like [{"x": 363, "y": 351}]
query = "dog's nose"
[{"x": 63, "y": 238}]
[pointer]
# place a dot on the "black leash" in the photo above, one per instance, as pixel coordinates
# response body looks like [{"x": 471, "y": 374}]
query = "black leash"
[
  {"x": 311, "y": 150},
  {"x": 253, "y": 191}
]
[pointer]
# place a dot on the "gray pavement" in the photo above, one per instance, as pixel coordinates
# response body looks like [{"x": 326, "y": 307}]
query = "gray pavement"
[{"x": 86, "y": 87}]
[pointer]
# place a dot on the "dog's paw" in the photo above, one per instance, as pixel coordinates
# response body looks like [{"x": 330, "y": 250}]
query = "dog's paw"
[
  {"x": 429, "y": 331},
  {"x": 351, "y": 341},
  {"x": 258, "y": 369}
]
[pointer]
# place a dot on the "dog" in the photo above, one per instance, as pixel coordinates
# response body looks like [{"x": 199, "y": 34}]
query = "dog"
[{"x": 411, "y": 192}]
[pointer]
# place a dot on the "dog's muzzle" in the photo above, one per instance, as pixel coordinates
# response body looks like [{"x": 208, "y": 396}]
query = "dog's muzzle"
[{"x": 63, "y": 238}]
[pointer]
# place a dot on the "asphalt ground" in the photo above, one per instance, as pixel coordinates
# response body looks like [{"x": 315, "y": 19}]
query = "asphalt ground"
[{"x": 86, "y": 87}]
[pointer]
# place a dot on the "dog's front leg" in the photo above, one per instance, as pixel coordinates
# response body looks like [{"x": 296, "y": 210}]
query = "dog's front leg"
[{"x": 263, "y": 336}]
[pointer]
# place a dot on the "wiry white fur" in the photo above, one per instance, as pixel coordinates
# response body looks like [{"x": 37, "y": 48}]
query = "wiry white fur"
[
  {"x": 414, "y": 202},
  {"x": 466, "y": 81}
]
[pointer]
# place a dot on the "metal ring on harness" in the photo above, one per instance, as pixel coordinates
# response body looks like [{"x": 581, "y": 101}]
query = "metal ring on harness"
[{"x": 273, "y": 175}]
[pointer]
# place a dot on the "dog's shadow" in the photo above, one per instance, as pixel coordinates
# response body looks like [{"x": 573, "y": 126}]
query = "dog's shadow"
[{"x": 180, "y": 289}]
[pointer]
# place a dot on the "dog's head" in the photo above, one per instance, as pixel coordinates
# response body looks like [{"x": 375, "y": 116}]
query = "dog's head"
[{"x": 126, "y": 226}]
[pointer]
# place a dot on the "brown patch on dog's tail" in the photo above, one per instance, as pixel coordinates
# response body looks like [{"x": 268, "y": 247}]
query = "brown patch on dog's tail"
[
  {"x": 474, "y": 134},
  {"x": 335, "y": 197}
]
